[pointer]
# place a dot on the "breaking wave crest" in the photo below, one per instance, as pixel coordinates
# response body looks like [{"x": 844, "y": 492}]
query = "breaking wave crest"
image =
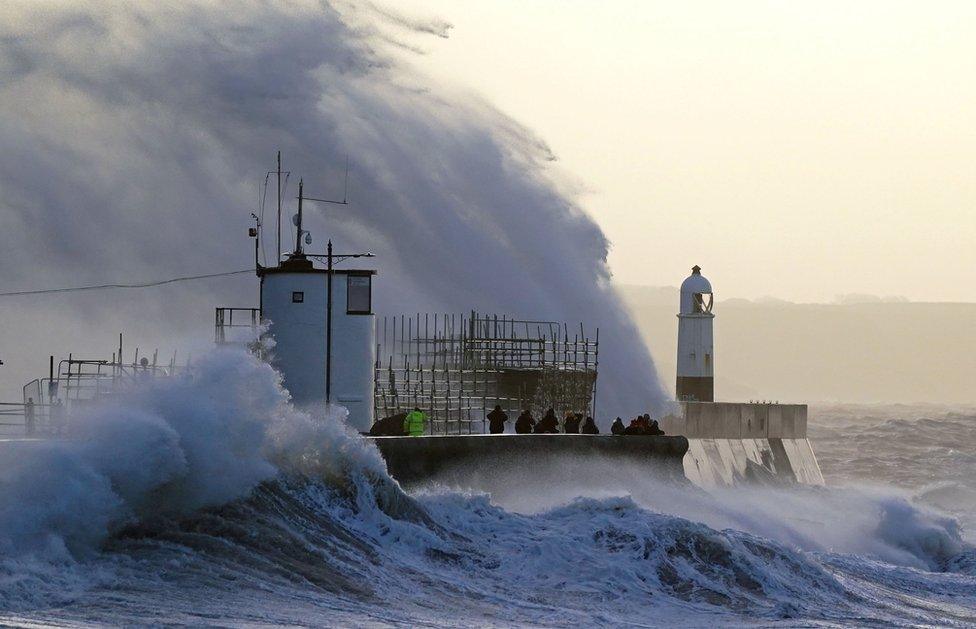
[{"x": 208, "y": 497}]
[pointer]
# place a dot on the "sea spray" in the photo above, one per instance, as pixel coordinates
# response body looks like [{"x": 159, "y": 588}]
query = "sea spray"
[
  {"x": 876, "y": 521},
  {"x": 170, "y": 446},
  {"x": 129, "y": 520},
  {"x": 175, "y": 119}
]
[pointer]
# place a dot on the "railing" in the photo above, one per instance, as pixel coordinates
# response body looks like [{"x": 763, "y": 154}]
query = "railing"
[
  {"x": 32, "y": 419},
  {"x": 49, "y": 402},
  {"x": 230, "y": 322}
]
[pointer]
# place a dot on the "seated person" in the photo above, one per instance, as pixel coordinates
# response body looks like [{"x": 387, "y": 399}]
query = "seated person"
[
  {"x": 571, "y": 425},
  {"x": 590, "y": 427},
  {"x": 635, "y": 427}
]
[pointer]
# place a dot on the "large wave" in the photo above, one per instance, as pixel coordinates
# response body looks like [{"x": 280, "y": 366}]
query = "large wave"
[
  {"x": 137, "y": 135},
  {"x": 208, "y": 498}
]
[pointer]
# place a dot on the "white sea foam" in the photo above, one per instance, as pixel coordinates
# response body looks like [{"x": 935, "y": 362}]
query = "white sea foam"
[
  {"x": 208, "y": 494},
  {"x": 167, "y": 446}
]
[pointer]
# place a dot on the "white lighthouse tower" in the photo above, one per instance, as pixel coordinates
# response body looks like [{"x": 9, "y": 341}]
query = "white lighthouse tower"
[
  {"x": 323, "y": 326},
  {"x": 696, "y": 360}
]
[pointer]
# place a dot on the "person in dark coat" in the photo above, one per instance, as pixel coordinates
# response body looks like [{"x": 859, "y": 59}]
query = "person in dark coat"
[
  {"x": 617, "y": 427},
  {"x": 391, "y": 426},
  {"x": 548, "y": 424},
  {"x": 571, "y": 425},
  {"x": 655, "y": 428},
  {"x": 635, "y": 427},
  {"x": 589, "y": 427},
  {"x": 496, "y": 420},
  {"x": 525, "y": 423}
]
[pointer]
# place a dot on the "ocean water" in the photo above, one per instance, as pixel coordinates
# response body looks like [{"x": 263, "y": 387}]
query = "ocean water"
[{"x": 208, "y": 500}]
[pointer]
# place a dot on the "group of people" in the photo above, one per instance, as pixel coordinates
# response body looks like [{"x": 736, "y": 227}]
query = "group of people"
[
  {"x": 526, "y": 423},
  {"x": 640, "y": 425},
  {"x": 415, "y": 424},
  {"x": 572, "y": 423}
]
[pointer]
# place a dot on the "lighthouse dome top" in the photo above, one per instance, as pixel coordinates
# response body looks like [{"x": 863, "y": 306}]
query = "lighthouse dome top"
[
  {"x": 696, "y": 294},
  {"x": 696, "y": 282}
]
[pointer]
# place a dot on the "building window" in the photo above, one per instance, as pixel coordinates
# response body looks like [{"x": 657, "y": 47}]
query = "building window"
[
  {"x": 297, "y": 297},
  {"x": 359, "y": 299},
  {"x": 708, "y": 361}
]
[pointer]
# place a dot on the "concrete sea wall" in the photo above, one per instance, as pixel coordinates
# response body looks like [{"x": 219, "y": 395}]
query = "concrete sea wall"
[
  {"x": 461, "y": 458},
  {"x": 711, "y": 444},
  {"x": 735, "y": 443}
]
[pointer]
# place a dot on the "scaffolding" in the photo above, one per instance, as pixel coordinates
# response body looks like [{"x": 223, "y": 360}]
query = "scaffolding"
[
  {"x": 456, "y": 368},
  {"x": 236, "y": 325},
  {"x": 74, "y": 383}
]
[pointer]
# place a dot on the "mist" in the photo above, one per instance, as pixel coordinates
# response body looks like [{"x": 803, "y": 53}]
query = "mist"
[
  {"x": 136, "y": 142},
  {"x": 861, "y": 349}
]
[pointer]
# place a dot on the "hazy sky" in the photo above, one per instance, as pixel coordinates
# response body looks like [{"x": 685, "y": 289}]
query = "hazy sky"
[
  {"x": 136, "y": 135},
  {"x": 795, "y": 149}
]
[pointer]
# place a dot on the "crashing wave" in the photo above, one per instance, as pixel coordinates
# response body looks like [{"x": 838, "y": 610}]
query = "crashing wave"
[{"x": 209, "y": 496}]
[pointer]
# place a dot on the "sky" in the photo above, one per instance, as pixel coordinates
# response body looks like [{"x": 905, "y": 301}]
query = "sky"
[
  {"x": 801, "y": 150},
  {"x": 136, "y": 137},
  {"x": 497, "y": 152}
]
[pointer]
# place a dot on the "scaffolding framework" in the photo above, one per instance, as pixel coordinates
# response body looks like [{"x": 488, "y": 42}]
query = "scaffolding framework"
[
  {"x": 457, "y": 367},
  {"x": 74, "y": 383}
]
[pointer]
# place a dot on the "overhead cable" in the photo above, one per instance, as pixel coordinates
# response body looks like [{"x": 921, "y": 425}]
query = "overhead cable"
[{"x": 74, "y": 289}]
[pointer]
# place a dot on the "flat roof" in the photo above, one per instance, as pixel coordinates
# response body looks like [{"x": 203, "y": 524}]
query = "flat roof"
[{"x": 275, "y": 270}]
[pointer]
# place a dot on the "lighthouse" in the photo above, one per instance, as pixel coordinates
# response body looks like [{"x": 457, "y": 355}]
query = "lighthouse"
[
  {"x": 322, "y": 323},
  {"x": 695, "y": 381}
]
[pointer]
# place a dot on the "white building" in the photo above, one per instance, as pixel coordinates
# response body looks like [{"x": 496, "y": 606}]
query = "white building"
[
  {"x": 696, "y": 359},
  {"x": 322, "y": 360}
]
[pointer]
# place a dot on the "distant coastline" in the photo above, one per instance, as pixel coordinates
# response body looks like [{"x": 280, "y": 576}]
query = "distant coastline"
[{"x": 863, "y": 349}]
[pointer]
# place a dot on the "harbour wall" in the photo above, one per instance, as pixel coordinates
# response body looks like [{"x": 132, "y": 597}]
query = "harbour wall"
[
  {"x": 711, "y": 444},
  {"x": 736, "y": 443},
  {"x": 459, "y": 459}
]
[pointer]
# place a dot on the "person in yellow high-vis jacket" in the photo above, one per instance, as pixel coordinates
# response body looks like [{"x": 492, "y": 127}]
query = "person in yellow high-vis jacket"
[{"x": 415, "y": 422}]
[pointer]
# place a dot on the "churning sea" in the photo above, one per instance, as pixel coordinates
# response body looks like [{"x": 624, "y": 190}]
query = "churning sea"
[{"x": 208, "y": 500}]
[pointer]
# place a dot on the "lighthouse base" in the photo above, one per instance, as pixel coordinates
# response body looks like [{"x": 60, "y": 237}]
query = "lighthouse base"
[
  {"x": 732, "y": 443},
  {"x": 695, "y": 388}
]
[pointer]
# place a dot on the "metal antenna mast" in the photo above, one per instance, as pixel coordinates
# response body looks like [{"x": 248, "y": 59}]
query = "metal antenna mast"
[
  {"x": 298, "y": 222},
  {"x": 331, "y": 258},
  {"x": 278, "y": 259},
  {"x": 328, "y": 335}
]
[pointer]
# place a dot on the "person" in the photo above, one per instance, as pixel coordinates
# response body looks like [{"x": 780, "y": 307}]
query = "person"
[
  {"x": 635, "y": 427},
  {"x": 415, "y": 422},
  {"x": 649, "y": 426},
  {"x": 29, "y": 417},
  {"x": 571, "y": 423},
  {"x": 645, "y": 424},
  {"x": 617, "y": 427},
  {"x": 58, "y": 418},
  {"x": 391, "y": 426},
  {"x": 496, "y": 420},
  {"x": 525, "y": 422},
  {"x": 589, "y": 427},
  {"x": 548, "y": 424}
]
